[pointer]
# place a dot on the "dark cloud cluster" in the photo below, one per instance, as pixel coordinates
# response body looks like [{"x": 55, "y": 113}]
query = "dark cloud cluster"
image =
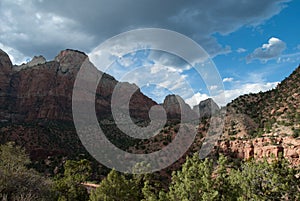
[{"x": 38, "y": 26}]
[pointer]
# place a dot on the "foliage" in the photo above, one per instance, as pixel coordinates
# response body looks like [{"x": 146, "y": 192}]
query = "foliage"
[
  {"x": 296, "y": 133},
  {"x": 17, "y": 182},
  {"x": 199, "y": 180},
  {"x": 69, "y": 187},
  {"x": 263, "y": 180},
  {"x": 135, "y": 187},
  {"x": 114, "y": 187},
  {"x": 207, "y": 180}
]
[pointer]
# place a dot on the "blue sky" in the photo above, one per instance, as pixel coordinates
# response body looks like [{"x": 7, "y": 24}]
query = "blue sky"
[{"x": 254, "y": 44}]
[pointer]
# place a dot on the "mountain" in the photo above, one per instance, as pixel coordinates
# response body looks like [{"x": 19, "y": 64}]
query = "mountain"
[
  {"x": 206, "y": 108},
  {"x": 177, "y": 109},
  {"x": 266, "y": 123},
  {"x": 36, "y": 104},
  {"x": 36, "y": 113}
]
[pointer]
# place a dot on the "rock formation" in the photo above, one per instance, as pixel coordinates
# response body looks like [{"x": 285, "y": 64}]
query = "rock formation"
[
  {"x": 264, "y": 124},
  {"x": 43, "y": 91},
  {"x": 5, "y": 75},
  {"x": 177, "y": 109},
  {"x": 36, "y": 60},
  {"x": 206, "y": 108},
  {"x": 36, "y": 102},
  {"x": 259, "y": 148},
  {"x": 36, "y": 111}
]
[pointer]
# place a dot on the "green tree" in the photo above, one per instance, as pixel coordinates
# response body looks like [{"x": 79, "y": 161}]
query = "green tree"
[
  {"x": 17, "y": 182},
  {"x": 262, "y": 180},
  {"x": 145, "y": 184},
  {"x": 115, "y": 187},
  {"x": 69, "y": 186},
  {"x": 194, "y": 182},
  {"x": 222, "y": 182}
]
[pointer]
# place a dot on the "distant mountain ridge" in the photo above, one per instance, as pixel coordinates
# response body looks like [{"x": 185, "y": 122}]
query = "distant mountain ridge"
[
  {"x": 36, "y": 112},
  {"x": 36, "y": 103}
]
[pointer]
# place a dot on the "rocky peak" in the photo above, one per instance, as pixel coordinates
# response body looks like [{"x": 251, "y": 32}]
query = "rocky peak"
[
  {"x": 70, "y": 59},
  {"x": 36, "y": 60},
  {"x": 177, "y": 109},
  {"x": 5, "y": 63},
  {"x": 206, "y": 108},
  {"x": 5, "y": 72}
]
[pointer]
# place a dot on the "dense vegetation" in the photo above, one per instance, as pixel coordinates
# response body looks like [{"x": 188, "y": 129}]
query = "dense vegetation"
[
  {"x": 17, "y": 181},
  {"x": 197, "y": 180}
]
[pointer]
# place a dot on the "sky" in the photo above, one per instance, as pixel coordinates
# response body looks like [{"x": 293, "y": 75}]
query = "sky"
[{"x": 253, "y": 44}]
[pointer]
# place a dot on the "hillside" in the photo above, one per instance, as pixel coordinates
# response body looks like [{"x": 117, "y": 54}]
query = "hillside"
[
  {"x": 274, "y": 108},
  {"x": 265, "y": 123},
  {"x": 36, "y": 106},
  {"x": 36, "y": 113}
]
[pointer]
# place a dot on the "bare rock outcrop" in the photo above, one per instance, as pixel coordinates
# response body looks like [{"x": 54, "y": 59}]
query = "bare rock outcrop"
[
  {"x": 36, "y": 103},
  {"x": 36, "y": 60},
  {"x": 177, "y": 109},
  {"x": 5, "y": 74},
  {"x": 260, "y": 148},
  {"x": 43, "y": 90},
  {"x": 206, "y": 108}
]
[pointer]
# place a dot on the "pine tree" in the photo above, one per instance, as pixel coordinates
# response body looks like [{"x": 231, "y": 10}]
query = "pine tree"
[
  {"x": 69, "y": 186},
  {"x": 194, "y": 182},
  {"x": 114, "y": 187}
]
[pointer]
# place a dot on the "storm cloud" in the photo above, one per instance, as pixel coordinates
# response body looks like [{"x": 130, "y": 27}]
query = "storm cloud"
[{"x": 31, "y": 27}]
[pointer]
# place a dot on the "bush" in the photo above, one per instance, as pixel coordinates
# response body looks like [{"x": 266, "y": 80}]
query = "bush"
[
  {"x": 296, "y": 133},
  {"x": 17, "y": 182}
]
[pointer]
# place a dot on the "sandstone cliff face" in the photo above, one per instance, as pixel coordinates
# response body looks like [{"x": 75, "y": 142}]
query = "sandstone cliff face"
[
  {"x": 36, "y": 60},
  {"x": 36, "y": 103},
  {"x": 259, "y": 148},
  {"x": 206, "y": 108},
  {"x": 5, "y": 86},
  {"x": 177, "y": 109},
  {"x": 34, "y": 94},
  {"x": 43, "y": 90}
]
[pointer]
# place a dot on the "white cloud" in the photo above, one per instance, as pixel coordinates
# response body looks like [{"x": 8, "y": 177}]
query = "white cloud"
[
  {"x": 241, "y": 50},
  {"x": 31, "y": 31},
  {"x": 163, "y": 77},
  {"x": 289, "y": 58},
  {"x": 231, "y": 94},
  {"x": 213, "y": 87},
  {"x": 15, "y": 56},
  {"x": 196, "y": 99},
  {"x": 271, "y": 50},
  {"x": 227, "y": 79},
  {"x": 248, "y": 88},
  {"x": 46, "y": 27}
]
